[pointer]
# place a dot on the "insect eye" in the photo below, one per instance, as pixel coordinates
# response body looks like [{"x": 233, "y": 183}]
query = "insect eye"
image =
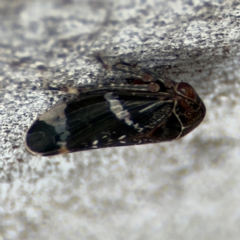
[{"x": 186, "y": 90}]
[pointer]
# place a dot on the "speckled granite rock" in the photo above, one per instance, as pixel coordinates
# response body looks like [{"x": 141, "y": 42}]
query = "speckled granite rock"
[{"x": 186, "y": 189}]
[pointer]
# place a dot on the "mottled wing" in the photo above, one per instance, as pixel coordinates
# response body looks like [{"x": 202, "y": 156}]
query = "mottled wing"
[{"x": 104, "y": 120}]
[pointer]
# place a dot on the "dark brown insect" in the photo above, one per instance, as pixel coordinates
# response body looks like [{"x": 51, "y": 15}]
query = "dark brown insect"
[{"x": 148, "y": 109}]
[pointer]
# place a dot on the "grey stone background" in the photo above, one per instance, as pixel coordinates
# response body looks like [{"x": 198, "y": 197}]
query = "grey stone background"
[{"x": 185, "y": 189}]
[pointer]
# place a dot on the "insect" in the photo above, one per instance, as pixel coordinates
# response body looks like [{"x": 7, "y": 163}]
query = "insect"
[{"x": 148, "y": 109}]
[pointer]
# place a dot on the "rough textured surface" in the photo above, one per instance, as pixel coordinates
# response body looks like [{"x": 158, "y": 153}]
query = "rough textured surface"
[{"x": 186, "y": 189}]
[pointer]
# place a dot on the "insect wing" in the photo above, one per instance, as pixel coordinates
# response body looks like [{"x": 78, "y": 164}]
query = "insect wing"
[{"x": 103, "y": 120}]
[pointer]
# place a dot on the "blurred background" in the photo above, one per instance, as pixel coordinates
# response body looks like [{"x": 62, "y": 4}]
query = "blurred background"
[{"x": 185, "y": 189}]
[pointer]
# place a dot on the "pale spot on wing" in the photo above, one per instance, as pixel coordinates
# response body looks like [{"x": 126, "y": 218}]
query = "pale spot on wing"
[
  {"x": 56, "y": 117},
  {"x": 117, "y": 109},
  {"x": 123, "y": 136},
  {"x": 53, "y": 115},
  {"x": 95, "y": 142}
]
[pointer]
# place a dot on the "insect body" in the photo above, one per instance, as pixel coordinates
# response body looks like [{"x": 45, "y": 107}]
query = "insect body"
[{"x": 147, "y": 110}]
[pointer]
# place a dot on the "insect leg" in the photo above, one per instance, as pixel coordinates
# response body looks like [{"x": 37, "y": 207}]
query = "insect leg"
[
  {"x": 151, "y": 87},
  {"x": 147, "y": 88},
  {"x": 134, "y": 71}
]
